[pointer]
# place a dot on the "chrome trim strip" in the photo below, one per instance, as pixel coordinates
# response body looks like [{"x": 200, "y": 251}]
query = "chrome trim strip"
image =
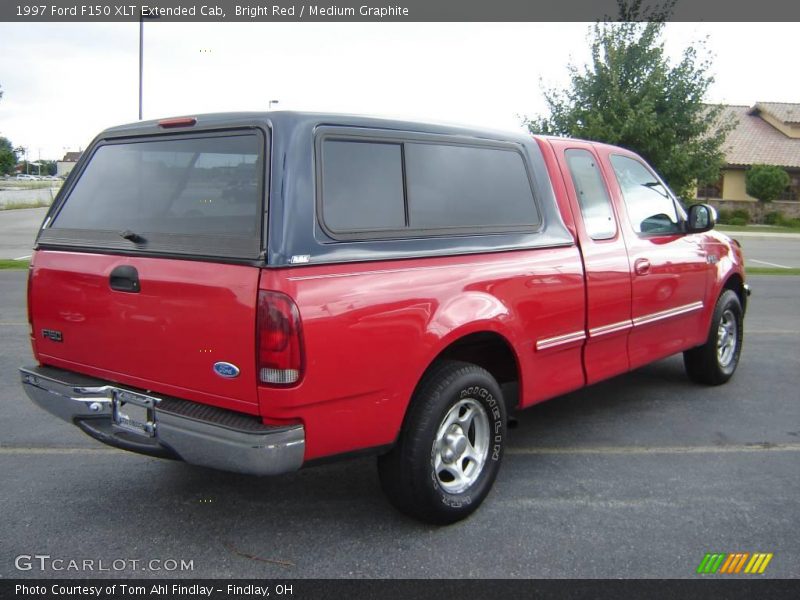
[
  {"x": 560, "y": 340},
  {"x": 667, "y": 314},
  {"x": 611, "y": 328}
]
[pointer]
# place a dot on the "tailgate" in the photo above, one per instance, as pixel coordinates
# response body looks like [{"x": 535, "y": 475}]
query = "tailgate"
[
  {"x": 185, "y": 318},
  {"x": 146, "y": 271}
]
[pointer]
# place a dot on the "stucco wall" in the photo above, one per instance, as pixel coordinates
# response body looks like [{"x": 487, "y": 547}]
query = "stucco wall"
[{"x": 733, "y": 186}]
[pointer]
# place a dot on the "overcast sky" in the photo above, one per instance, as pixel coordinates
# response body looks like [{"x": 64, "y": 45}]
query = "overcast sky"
[{"x": 63, "y": 83}]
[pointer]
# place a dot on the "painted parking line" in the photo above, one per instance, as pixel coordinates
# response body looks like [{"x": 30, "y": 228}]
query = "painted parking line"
[
  {"x": 23, "y": 257},
  {"x": 28, "y": 450},
  {"x": 771, "y": 264},
  {"x": 520, "y": 451},
  {"x": 726, "y": 449}
]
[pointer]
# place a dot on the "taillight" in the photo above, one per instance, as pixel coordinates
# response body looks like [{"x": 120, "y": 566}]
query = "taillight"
[
  {"x": 279, "y": 339},
  {"x": 30, "y": 312}
]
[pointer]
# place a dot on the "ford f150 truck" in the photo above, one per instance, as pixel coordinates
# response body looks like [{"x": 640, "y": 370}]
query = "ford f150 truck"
[{"x": 259, "y": 292}]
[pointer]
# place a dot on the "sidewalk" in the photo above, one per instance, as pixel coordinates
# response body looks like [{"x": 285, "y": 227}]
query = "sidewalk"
[{"x": 761, "y": 234}]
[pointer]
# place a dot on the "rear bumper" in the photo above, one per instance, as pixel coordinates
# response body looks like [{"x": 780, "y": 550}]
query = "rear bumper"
[{"x": 196, "y": 433}]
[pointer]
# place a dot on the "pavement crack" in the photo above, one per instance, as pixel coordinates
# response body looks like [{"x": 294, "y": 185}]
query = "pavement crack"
[{"x": 274, "y": 561}]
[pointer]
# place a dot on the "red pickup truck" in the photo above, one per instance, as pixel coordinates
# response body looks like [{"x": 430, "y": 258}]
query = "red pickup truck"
[{"x": 257, "y": 292}]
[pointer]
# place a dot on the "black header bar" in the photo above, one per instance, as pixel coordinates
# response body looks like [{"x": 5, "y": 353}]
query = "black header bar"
[{"x": 34, "y": 11}]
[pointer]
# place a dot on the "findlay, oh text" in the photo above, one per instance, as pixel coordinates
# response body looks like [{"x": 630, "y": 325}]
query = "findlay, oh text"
[{"x": 174, "y": 589}]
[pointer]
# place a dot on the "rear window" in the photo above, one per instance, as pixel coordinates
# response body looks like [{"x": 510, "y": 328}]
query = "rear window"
[
  {"x": 187, "y": 194},
  {"x": 373, "y": 188}
]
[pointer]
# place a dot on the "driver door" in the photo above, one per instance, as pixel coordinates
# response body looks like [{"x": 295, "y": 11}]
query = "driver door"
[{"x": 669, "y": 269}]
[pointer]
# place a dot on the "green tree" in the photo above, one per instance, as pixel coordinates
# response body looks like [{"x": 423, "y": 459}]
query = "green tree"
[
  {"x": 48, "y": 167},
  {"x": 631, "y": 95},
  {"x": 766, "y": 182},
  {"x": 8, "y": 158}
]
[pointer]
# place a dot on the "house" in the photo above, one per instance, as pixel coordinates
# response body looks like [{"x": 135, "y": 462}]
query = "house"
[
  {"x": 66, "y": 164},
  {"x": 767, "y": 133}
]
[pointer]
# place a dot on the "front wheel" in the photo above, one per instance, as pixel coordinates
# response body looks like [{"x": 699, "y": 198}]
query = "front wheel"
[
  {"x": 715, "y": 361},
  {"x": 450, "y": 447}
]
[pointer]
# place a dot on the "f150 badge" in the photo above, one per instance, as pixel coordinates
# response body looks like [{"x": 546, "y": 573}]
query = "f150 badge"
[
  {"x": 52, "y": 335},
  {"x": 226, "y": 369}
]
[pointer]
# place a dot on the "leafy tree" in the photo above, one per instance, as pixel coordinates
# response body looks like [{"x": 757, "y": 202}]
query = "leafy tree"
[
  {"x": 8, "y": 158},
  {"x": 631, "y": 95},
  {"x": 766, "y": 182},
  {"x": 48, "y": 167}
]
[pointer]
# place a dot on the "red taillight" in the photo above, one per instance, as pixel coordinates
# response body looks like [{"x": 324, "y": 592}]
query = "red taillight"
[
  {"x": 279, "y": 339},
  {"x": 30, "y": 312},
  {"x": 177, "y": 122}
]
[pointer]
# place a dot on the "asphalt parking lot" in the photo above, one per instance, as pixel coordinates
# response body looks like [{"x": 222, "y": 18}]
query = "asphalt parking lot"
[{"x": 636, "y": 477}]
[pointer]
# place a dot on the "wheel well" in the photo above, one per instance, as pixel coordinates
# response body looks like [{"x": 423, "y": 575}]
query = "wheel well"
[
  {"x": 492, "y": 352},
  {"x": 736, "y": 283}
]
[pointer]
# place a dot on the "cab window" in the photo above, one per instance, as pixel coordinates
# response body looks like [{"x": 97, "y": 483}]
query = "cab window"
[
  {"x": 598, "y": 216},
  {"x": 650, "y": 205}
]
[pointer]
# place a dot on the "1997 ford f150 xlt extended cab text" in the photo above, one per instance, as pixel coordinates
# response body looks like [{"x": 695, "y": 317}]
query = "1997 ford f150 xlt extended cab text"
[{"x": 256, "y": 292}]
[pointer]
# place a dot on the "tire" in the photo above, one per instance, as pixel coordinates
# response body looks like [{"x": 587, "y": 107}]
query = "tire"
[
  {"x": 714, "y": 362},
  {"x": 450, "y": 447}
]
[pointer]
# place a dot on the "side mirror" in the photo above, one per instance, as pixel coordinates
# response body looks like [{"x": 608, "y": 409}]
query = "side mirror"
[{"x": 702, "y": 217}]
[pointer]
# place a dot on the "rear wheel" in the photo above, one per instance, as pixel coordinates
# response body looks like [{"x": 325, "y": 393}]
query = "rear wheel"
[
  {"x": 450, "y": 447},
  {"x": 715, "y": 361}
]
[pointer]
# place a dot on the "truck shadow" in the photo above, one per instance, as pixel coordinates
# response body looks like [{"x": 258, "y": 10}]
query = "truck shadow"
[{"x": 348, "y": 491}]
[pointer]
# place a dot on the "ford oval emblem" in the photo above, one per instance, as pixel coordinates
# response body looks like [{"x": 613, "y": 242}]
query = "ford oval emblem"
[{"x": 226, "y": 369}]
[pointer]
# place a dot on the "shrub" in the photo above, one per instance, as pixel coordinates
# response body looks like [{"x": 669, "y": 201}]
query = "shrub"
[
  {"x": 737, "y": 221},
  {"x": 773, "y": 218},
  {"x": 741, "y": 214},
  {"x": 766, "y": 182},
  {"x": 787, "y": 222},
  {"x": 724, "y": 216}
]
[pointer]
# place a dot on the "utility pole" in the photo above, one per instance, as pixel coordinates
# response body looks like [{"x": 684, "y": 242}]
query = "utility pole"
[
  {"x": 142, "y": 17},
  {"x": 141, "y": 60}
]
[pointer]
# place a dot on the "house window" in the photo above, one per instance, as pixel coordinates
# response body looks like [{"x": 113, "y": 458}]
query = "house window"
[
  {"x": 792, "y": 191},
  {"x": 710, "y": 190}
]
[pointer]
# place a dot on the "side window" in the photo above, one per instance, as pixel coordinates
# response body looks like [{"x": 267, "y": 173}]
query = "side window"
[
  {"x": 387, "y": 188},
  {"x": 362, "y": 185},
  {"x": 598, "y": 215},
  {"x": 453, "y": 186},
  {"x": 650, "y": 205}
]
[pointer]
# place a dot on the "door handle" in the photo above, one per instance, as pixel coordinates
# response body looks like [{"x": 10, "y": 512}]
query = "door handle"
[
  {"x": 125, "y": 278},
  {"x": 641, "y": 266}
]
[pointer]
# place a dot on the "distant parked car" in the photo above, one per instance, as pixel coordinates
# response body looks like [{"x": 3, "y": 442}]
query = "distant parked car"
[{"x": 24, "y": 177}]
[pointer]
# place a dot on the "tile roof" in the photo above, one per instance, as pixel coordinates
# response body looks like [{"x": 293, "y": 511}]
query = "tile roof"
[
  {"x": 754, "y": 141},
  {"x": 784, "y": 111},
  {"x": 71, "y": 157}
]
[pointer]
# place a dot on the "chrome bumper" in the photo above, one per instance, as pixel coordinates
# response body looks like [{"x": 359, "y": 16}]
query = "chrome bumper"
[
  {"x": 747, "y": 293},
  {"x": 196, "y": 433}
]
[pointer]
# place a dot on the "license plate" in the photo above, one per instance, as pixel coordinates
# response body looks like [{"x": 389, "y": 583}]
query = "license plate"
[{"x": 134, "y": 412}]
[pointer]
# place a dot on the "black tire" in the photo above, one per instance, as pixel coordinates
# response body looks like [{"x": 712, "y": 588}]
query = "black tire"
[
  {"x": 408, "y": 476},
  {"x": 704, "y": 364}
]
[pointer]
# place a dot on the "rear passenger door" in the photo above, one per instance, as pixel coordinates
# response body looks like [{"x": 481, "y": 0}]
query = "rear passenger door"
[{"x": 608, "y": 278}]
